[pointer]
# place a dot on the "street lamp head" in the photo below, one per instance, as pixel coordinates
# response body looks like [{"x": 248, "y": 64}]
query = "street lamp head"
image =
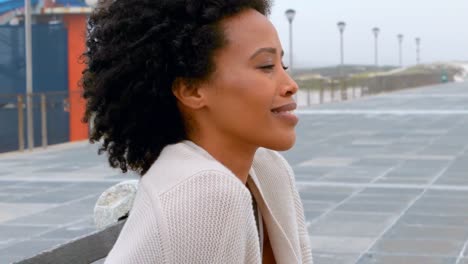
[
  {"x": 400, "y": 37},
  {"x": 341, "y": 26},
  {"x": 376, "y": 31},
  {"x": 91, "y": 3},
  {"x": 290, "y": 13}
]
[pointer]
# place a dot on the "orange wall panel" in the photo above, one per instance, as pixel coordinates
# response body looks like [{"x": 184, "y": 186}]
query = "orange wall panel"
[{"x": 76, "y": 26}]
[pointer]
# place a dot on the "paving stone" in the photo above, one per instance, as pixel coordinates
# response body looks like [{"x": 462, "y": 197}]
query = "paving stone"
[
  {"x": 435, "y": 220},
  {"x": 340, "y": 244},
  {"x": 404, "y": 180},
  {"x": 394, "y": 259},
  {"x": 447, "y": 193},
  {"x": 328, "y": 227},
  {"x": 10, "y": 232},
  {"x": 10, "y": 211},
  {"x": 311, "y": 215},
  {"x": 452, "y": 181},
  {"x": 345, "y": 179},
  {"x": 364, "y": 198},
  {"x": 67, "y": 233},
  {"x": 361, "y": 217},
  {"x": 47, "y": 219},
  {"x": 334, "y": 258},
  {"x": 312, "y": 205},
  {"x": 58, "y": 196},
  {"x": 439, "y": 209},
  {"x": 405, "y": 231},
  {"x": 28, "y": 248},
  {"x": 392, "y": 191},
  {"x": 327, "y": 190},
  {"x": 323, "y": 197},
  {"x": 379, "y": 208},
  {"x": 440, "y": 248},
  {"x": 327, "y": 162},
  {"x": 441, "y": 200},
  {"x": 307, "y": 177}
]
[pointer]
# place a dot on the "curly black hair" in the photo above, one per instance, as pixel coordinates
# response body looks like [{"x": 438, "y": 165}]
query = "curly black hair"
[{"x": 136, "y": 49}]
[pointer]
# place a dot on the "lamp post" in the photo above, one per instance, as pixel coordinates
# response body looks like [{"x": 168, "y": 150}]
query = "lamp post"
[
  {"x": 29, "y": 81},
  {"x": 376, "y": 31},
  {"x": 400, "y": 55},
  {"x": 418, "y": 43},
  {"x": 290, "y": 13},
  {"x": 341, "y": 27}
]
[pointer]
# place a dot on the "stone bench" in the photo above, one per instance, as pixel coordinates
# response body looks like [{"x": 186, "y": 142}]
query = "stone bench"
[{"x": 110, "y": 213}]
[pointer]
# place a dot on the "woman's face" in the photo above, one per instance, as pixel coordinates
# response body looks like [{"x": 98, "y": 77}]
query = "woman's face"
[{"x": 249, "y": 96}]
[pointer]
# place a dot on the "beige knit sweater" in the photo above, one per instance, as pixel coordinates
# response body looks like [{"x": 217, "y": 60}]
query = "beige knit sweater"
[{"x": 191, "y": 209}]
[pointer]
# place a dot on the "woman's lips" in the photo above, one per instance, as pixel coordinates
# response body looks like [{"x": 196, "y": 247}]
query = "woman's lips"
[
  {"x": 286, "y": 113},
  {"x": 284, "y": 108}
]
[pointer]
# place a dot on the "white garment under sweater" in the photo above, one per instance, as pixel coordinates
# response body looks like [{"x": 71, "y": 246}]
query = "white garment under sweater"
[{"x": 190, "y": 208}]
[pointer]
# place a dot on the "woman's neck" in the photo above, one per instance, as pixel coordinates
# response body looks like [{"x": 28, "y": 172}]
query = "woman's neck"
[{"x": 235, "y": 156}]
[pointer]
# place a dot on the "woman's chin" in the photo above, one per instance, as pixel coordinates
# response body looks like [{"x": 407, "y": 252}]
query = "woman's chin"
[{"x": 282, "y": 144}]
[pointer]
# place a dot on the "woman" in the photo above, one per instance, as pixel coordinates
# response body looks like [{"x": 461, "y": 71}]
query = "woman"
[{"x": 193, "y": 95}]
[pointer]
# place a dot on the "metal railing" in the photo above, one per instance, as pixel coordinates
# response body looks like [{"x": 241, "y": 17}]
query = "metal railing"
[{"x": 50, "y": 110}]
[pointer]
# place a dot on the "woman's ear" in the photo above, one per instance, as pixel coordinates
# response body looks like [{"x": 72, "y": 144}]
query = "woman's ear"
[{"x": 188, "y": 93}]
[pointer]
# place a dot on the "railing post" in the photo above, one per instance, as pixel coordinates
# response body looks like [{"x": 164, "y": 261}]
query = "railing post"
[
  {"x": 30, "y": 119},
  {"x": 20, "y": 122},
  {"x": 44, "y": 120},
  {"x": 332, "y": 91},
  {"x": 321, "y": 92},
  {"x": 308, "y": 96}
]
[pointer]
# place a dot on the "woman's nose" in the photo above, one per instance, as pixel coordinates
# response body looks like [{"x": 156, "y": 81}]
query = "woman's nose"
[{"x": 289, "y": 86}]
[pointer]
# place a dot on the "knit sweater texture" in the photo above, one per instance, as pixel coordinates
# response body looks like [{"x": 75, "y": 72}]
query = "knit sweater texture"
[{"x": 190, "y": 208}]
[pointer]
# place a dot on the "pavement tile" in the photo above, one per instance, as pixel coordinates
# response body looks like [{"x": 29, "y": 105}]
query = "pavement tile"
[
  {"x": 447, "y": 193},
  {"x": 46, "y": 219},
  {"x": 327, "y": 189},
  {"x": 435, "y": 220},
  {"x": 334, "y": 258},
  {"x": 332, "y": 227},
  {"x": 345, "y": 179},
  {"x": 372, "y": 208},
  {"x": 28, "y": 248},
  {"x": 10, "y": 211},
  {"x": 361, "y": 217},
  {"x": 327, "y": 162},
  {"x": 424, "y": 247},
  {"x": 340, "y": 244},
  {"x": 368, "y": 198},
  {"x": 392, "y": 191},
  {"x": 10, "y": 232},
  {"x": 395, "y": 259},
  {"x": 404, "y": 180},
  {"x": 439, "y": 209},
  {"x": 324, "y": 197},
  {"x": 312, "y": 215},
  {"x": 67, "y": 233},
  {"x": 313, "y": 205},
  {"x": 405, "y": 231}
]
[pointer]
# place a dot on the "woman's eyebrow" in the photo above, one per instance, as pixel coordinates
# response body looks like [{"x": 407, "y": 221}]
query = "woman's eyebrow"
[{"x": 268, "y": 50}]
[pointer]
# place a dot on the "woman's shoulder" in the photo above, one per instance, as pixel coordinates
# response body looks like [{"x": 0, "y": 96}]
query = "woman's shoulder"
[
  {"x": 273, "y": 159},
  {"x": 181, "y": 164}
]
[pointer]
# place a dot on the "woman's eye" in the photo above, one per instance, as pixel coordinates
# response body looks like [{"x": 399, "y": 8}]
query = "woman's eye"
[
  {"x": 267, "y": 67},
  {"x": 285, "y": 68}
]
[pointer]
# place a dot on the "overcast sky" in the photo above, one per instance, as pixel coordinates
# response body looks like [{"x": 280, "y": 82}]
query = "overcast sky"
[{"x": 442, "y": 26}]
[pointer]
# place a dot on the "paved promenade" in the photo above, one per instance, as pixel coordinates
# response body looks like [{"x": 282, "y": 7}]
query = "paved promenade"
[{"x": 383, "y": 179}]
